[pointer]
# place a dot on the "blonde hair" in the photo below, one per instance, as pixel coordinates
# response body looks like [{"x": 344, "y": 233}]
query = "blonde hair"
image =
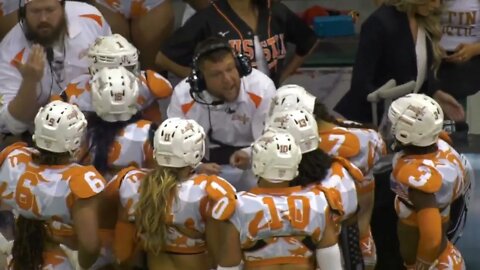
[
  {"x": 430, "y": 23},
  {"x": 152, "y": 211}
]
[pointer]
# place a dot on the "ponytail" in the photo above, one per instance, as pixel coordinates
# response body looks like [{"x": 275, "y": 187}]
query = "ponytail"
[
  {"x": 152, "y": 211},
  {"x": 313, "y": 168},
  {"x": 101, "y": 135},
  {"x": 29, "y": 243}
]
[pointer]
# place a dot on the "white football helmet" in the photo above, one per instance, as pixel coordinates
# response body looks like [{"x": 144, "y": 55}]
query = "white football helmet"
[
  {"x": 416, "y": 119},
  {"x": 275, "y": 157},
  {"x": 179, "y": 143},
  {"x": 114, "y": 94},
  {"x": 300, "y": 124},
  {"x": 113, "y": 51},
  {"x": 59, "y": 127},
  {"x": 292, "y": 97}
]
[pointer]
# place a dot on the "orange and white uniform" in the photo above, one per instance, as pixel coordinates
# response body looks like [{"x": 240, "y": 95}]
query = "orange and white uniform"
[
  {"x": 277, "y": 216},
  {"x": 342, "y": 176},
  {"x": 152, "y": 87},
  {"x": 7, "y": 7},
  {"x": 85, "y": 24},
  {"x": 45, "y": 192},
  {"x": 130, "y": 9},
  {"x": 131, "y": 147},
  {"x": 41, "y": 191},
  {"x": 441, "y": 173},
  {"x": 362, "y": 147},
  {"x": 196, "y": 199}
]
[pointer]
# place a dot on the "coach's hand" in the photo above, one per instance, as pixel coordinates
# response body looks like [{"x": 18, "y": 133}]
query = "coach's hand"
[
  {"x": 209, "y": 168},
  {"x": 240, "y": 159},
  {"x": 33, "y": 69}
]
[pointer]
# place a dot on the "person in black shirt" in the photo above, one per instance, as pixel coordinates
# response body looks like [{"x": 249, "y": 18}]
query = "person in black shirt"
[{"x": 239, "y": 21}]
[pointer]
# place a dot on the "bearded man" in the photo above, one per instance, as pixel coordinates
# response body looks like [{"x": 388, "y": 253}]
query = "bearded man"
[{"x": 41, "y": 55}]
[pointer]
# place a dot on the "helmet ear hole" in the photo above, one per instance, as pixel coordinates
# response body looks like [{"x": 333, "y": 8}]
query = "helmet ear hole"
[{"x": 416, "y": 119}]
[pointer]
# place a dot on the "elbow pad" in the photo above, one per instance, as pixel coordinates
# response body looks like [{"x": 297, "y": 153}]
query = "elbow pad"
[{"x": 329, "y": 258}]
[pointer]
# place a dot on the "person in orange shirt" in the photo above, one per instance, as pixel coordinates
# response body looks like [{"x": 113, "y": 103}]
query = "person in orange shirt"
[
  {"x": 427, "y": 177},
  {"x": 359, "y": 144},
  {"x": 145, "y": 23},
  {"x": 43, "y": 185},
  {"x": 283, "y": 222},
  {"x": 168, "y": 206},
  {"x": 118, "y": 136}
]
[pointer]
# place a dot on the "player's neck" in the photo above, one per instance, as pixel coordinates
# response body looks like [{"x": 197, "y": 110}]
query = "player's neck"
[
  {"x": 324, "y": 125},
  {"x": 262, "y": 183},
  {"x": 185, "y": 174}
]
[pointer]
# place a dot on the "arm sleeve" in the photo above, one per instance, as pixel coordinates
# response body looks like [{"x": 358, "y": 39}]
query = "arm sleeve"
[
  {"x": 175, "y": 107},
  {"x": 180, "y": 46},
  {"x": 258, "y": 121},
  {"x": 297, "y": 32},
  {"x": 10, "y": 80},
  {"x": 329, "y": 258}
]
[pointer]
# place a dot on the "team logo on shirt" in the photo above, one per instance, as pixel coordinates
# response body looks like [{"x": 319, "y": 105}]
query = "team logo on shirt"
[
  {"x": 223, "y": 34},
  {"x": 241, "y": 118}
]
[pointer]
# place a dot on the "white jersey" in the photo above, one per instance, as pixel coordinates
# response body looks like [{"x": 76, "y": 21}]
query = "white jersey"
[
  {"x": 460, "y": 23},
  {"x": 152, "y": 87},
  {"x": 362, "y": 147},
  {"x": 276, "y": 216},
  {"x": 342, "y": 177},
  {"x": 131, "y": 147},
  {"x": 196, "y": 199},
  {"x": 442, "y": 173},
  {"x": 44, "y": 192},
  {"x": 85, "y": 24},
  {"x": 236, "y": 124}
]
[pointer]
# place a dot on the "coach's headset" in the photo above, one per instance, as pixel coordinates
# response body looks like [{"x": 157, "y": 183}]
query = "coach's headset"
[{"x": 197, "y": 82}]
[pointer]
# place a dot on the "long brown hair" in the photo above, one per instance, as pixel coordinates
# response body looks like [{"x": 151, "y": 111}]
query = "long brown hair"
[
  {"x": 430, "y": 23},
  {"x": 29, "y": 243},
  {"x": 151, "y": 214},
  {"x": 30, "y": 235}
]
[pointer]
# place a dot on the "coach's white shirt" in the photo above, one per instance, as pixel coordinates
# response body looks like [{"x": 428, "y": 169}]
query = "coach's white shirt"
[
  {"x": 85, "y": 24},
  {"x": 237, "y": 123}
]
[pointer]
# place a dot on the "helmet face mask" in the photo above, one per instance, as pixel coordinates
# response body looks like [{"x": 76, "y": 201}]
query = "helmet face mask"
[
  {"x": 111, "y": 52},
  {"x": 59, "y": 127},
  {"x": 114, "y": 94},
  {"x": 179, "y": 143},
  {"x": 275, "y": 157},
  {"x": 416, "y": 120},
  {"x": 300, "y": 124}
]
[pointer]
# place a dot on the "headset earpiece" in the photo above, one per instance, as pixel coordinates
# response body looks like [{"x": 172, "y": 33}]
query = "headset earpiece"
[{"x": 196, "y": 80}]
